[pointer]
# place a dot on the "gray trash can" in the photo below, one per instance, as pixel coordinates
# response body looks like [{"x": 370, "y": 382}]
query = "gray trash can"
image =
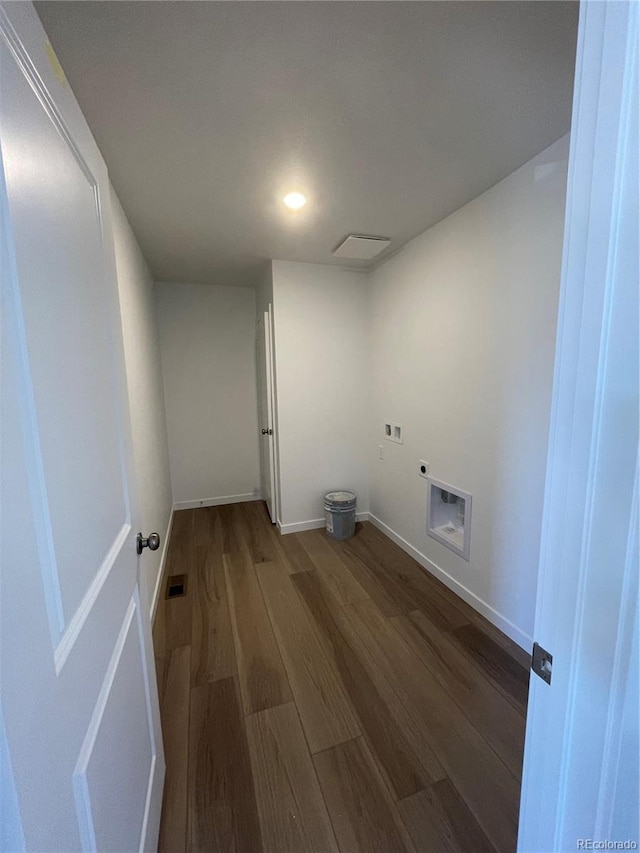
[{"x": 340, "y": 514}]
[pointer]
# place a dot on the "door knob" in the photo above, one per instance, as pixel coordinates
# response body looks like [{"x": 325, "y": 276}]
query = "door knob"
[
  {"x": 152, "y": 542},
  {"x": 265, "y": 432}
]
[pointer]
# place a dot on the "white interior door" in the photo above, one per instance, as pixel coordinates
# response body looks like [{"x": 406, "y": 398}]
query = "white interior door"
[
  {"x": 265, "y": 412},
  {"x": 273, "y": 419},
  {"x": 581, "y": 767},
  {"x": 77, "y": 685}
]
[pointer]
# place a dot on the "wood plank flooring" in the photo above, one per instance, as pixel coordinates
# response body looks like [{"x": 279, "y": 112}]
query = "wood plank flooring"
[
  {"x": 329, "y": 696},
  {"x": 222, "y": 813}
]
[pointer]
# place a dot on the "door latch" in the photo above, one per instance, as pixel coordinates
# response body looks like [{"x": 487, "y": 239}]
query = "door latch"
[{"x": 542, "y": 663}]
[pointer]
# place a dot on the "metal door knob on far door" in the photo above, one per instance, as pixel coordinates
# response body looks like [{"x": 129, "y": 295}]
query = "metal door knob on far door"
[
  {"x": 267, "y": 432},
  {"x": 152, "y": 542}
]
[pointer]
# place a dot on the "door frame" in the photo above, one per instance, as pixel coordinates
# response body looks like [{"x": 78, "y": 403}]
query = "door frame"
[{"x": 271, "y": 389}]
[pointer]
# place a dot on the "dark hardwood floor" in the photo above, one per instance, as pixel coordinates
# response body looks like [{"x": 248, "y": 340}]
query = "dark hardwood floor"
[{"x": 322, "y": 696}]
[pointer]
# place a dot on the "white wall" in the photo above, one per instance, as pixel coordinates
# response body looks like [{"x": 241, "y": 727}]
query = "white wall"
[
  {"x": 463, "y": 334},
  {"x": 207, "y": 340},
  {"x": 321, "y": 316},
  {"x": 146, "y": 400}
]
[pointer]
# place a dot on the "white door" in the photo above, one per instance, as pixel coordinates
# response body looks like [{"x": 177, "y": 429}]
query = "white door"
[
  {"x": 581, "y": 767},
  {"x": 80, "y": 740},
  {"x": 265, "y": 412}
]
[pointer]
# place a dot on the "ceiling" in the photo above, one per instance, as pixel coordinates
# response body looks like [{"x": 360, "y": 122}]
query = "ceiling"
[{"x": 386, "y": 115}]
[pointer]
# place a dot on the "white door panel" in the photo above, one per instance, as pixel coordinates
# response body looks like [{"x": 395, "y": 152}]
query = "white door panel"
[
  {"x": 77, "y": 685},
  {"x": 273, "y": 419},
  {"x": 578, "y": 781},
  {"x": 263, "y": 415},
  {"x": 264, "y": 361},
  {"x": 101, "y": 784},
  {"x": 69, "y": 357}
]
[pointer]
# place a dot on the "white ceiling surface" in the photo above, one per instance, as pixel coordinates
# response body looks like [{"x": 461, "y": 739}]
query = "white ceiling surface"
[{"x": 387, "y": 115}]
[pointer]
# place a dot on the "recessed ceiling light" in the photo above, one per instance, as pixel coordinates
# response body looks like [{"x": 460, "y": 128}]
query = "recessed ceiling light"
[{"x": 294, "y": 200}]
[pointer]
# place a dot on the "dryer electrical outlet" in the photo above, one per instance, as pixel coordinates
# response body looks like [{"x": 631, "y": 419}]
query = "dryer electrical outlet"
[{"x": 423, "y": 469}]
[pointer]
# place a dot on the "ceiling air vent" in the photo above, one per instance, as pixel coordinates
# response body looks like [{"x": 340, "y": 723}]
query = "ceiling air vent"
[{"x": 359, "y": 248}]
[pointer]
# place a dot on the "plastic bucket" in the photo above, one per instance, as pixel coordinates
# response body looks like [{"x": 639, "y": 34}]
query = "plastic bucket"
[{"x": 340, "y": 514}]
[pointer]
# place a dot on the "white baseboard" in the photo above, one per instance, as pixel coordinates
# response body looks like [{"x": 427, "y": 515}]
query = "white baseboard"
[
  {"x": 224, "y": 499},
  {"x": 312, "y": 524},
  {"x": 299, "y": 526},
  {"x": 505, "y": 625},
  {"x": 160, "y": 575}
]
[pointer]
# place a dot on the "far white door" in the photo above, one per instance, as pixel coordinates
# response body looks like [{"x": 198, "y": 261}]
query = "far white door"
[
  {"x": 264, "y": 358},
  {"x": 81, "y": 745},
  {"x": 581, "y": 766}
]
